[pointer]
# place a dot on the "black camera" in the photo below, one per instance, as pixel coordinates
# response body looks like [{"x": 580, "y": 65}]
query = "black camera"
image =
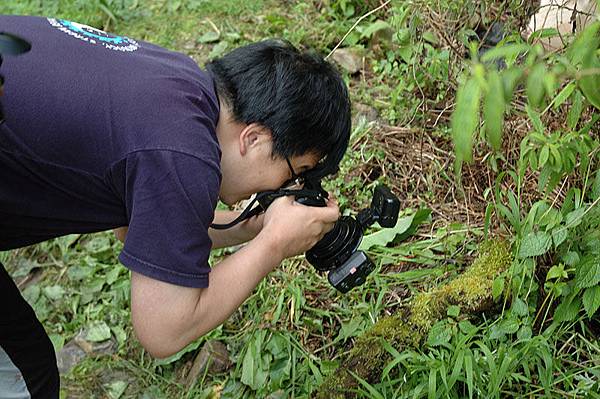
[{"x": 337, "y": 252}]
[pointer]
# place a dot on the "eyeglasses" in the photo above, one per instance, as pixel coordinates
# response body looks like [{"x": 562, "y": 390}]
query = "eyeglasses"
[{"x": 296, "y": 179}]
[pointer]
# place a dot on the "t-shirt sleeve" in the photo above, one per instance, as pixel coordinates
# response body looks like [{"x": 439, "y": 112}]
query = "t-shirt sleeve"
[{"x": 170, "y": 199}]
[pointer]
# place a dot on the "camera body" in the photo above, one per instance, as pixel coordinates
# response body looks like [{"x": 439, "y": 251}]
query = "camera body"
[{"x": 337, "y": 252}]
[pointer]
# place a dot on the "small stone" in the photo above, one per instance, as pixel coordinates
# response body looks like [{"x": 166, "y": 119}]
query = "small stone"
[
  {"x": 213, "y": 358},
  {"x": 362, "y": 111},
  {"x": 108, "y": 347},
  {"x": 69, "y": 356},
  {"x": 350, "y": 59}
]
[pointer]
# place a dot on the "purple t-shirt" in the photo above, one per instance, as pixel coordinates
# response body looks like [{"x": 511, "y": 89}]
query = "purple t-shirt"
[{"x": 104, "y": 131}]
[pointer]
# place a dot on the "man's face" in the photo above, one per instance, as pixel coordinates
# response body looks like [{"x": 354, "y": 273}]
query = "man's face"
[{"x": 263, "y": 173}]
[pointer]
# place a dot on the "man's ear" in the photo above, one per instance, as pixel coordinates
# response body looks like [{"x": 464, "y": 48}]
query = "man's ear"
[{"x": 253, "y": 136}]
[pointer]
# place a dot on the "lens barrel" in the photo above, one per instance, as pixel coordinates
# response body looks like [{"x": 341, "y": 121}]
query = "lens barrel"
[{"x": 337, "y": 245}]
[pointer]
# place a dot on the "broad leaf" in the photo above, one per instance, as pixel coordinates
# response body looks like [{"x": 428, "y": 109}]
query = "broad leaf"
[
  {"x": 375, "y": 27},
  {"x": 535, "y": 244},
  {"x": 98, "y": 332},
  {"x": 591, "y": 300},
  {"x": 209, "y": 37},
  {"x": 587, "y": 272},
  {"x": 54, "y": 292},
  {"x": 440, "y": 333},
  {"x": 567, "y": 310},
  {"x": 404, "y": 228},
  {"x": 497, "y": 287}
]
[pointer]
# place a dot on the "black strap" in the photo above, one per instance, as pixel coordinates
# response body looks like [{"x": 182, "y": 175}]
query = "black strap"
[{"x": 264, "y": 199}]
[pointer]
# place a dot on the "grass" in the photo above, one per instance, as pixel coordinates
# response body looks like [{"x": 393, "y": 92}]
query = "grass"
[{"x": 295, "y": 330}]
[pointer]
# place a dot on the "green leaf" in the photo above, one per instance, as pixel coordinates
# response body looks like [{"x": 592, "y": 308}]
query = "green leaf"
[
  {"x": 544, "y": 155},
  {"x": 573, "y": 218},
  {"x": 209, "y": 37},
  {"x": 591, "y": 300},
  {"x": 575, "y": 110},
  {"x": 404, "y": 228},
  {"x": 218, "y": 49},
  {"x": 510, "y": 78},
  {"x": 559, "y": 235},
  {"x": 453, "y": 311},
  {"x": 519, "y": 307},
  {"x": 493, "y": 110},
  {"x": 467, "y": 327},
  {"x": 564, "y": 94},
  {"x": 595, "y": 192},
  {"x": 535, "y": 85},
  {"x": 509, "y": 326},
  {"x": 116, "y": 389},
  {"x": 253, "y": 373},
  {"x": 535, "y": 244},
  {"x": 506, "y": 51},
  {"x": 440, "y": 333},
  {"x": 587, "y": 272},
  {"x": 524, "y": 332},
  {"x": 567, "y": 310},
  {"x": 58, "y": 341},
  {"x": 497, "y": 287},
  {"x": 590, "y": 84},
  {"x": 556, "y": 271},
  {"x": 465, "y": 119},
  {"x": 98, "y": 332},
  {"x": 585, "y": 44},
  {"x": 430, "y": 37},
  {"x": 535, "y": 119},
  {"x": 54, "y": 292},
  {"x": 375, "y": 27},
  {"x": 175, "y": 357},
  {"x": 571, "y": 258}
]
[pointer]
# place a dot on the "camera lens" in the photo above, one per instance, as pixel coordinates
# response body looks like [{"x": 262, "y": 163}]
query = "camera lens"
[{"x": 336, "y": 246}]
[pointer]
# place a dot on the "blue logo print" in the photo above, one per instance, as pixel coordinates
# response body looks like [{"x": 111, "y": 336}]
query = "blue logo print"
[{"x": 94, "y": 36}]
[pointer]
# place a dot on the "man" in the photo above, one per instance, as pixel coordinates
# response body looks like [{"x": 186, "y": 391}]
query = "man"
[{"x": 102, "y": 131}]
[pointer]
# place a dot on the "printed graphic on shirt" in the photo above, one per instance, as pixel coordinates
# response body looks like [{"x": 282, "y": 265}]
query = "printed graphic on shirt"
[{"x": 94, "y": 36}]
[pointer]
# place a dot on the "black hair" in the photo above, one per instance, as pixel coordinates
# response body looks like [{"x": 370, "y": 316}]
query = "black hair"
[{"x": 299, "y": 96}]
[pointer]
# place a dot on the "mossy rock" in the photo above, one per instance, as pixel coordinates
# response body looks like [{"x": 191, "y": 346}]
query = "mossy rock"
[{"x": 471, "y": 291}]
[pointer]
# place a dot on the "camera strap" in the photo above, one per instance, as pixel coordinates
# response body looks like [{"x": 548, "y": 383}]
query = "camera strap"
[{"x": 262, "y": 201}]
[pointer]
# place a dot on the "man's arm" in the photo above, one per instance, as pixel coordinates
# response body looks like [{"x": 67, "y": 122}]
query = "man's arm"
[
  {"x": 167, "y": 317},
  {"x": 238, "y": 234}
]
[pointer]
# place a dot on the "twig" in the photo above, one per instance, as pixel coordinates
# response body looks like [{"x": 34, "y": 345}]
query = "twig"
[{"x": 358, "y": 21}]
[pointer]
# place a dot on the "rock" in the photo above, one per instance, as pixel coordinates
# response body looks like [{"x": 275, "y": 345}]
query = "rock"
[
  {"x": 362, "y": 111},
  {"x": 213, "y": 358},
  {"x": 78, "y": 349},
  {"x": 108, "y": 347},
  {"x": 69, "y": 356},
  {"x": 116, "y": 383},
  {"x": 350, "y": 59}
]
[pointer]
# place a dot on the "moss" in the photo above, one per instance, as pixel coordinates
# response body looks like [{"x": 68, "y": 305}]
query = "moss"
[{"x": 471, "y": 291}]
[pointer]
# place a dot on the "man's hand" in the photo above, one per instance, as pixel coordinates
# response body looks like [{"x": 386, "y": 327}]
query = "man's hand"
[{"x": 294, "y": 228}]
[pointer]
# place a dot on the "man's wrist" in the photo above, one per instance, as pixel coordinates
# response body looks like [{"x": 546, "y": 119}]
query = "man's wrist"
[{"x": 271, "y": 245}]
